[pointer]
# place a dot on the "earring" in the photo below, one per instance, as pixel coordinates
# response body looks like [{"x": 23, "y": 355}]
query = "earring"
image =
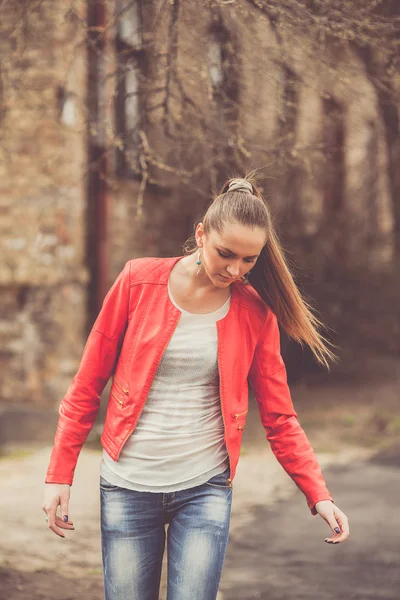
[
  {"x": 245, "y": 279},
  {"x": 198, "y": 262}
]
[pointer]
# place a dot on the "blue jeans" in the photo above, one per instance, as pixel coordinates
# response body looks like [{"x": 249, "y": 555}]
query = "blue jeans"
[{"x": 133, "y": 540}]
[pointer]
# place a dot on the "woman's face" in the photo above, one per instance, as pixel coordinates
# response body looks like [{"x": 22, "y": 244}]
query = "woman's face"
[{"x": 230, "y": 255}]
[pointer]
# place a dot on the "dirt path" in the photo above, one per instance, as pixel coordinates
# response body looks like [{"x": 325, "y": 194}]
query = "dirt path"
[
  {"x": 35, "y": 564},
  {"x": 282, "y": 555},
  {"x": 355, "y": 418}
]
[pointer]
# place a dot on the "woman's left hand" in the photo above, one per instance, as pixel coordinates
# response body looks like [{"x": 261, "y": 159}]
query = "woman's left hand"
[{"x": 336, "y": 519}]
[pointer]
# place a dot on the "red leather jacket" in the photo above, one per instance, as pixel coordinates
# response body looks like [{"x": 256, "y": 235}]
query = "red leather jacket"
[{"x": 128, "y": 338}]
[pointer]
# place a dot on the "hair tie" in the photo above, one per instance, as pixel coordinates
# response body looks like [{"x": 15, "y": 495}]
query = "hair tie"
[{"x": 240, "y": 185}]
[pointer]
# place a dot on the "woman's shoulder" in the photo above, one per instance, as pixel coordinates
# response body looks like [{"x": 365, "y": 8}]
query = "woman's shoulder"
[
  {"x": 249, "y": 299},
  {"x": 149, "y": 268}
]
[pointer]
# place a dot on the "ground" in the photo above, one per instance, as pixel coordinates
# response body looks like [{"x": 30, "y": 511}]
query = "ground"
[{"x": 276, "y": 548}]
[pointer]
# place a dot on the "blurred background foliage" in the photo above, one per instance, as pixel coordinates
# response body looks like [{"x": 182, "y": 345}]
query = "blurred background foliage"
[{"x": 119, "y": 120}]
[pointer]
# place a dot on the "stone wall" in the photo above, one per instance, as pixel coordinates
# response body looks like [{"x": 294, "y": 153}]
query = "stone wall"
[
  {"x": 312, "y": 120},
  {"x": 284, "y": 96},
  {"x": 42, "y": 200}
]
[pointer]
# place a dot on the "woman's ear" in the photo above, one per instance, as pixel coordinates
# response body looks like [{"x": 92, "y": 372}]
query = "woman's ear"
[{"x": 199, "y": 233}]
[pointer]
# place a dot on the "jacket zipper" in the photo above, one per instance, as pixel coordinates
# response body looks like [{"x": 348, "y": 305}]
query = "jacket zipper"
[
  {"x": 120, "y": 386},
  {"x": 120, "y": 402},
  {"x": 155, "y": 370},
  {"x": 237, "y": 415},
  {"x": 222, "y": 405}
]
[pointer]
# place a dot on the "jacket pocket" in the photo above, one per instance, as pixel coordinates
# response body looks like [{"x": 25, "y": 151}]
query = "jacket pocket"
[
  {"x": 123, "y": 388},
  {"x": 240, "y": 419},
  {"x": 119, "y": 392}
]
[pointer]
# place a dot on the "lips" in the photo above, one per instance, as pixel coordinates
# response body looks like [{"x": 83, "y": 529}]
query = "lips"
[{"x": 227, "y": 278}]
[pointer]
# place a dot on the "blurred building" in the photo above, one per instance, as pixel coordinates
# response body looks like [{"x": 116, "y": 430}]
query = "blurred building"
[{"x": 117, "y": 118}]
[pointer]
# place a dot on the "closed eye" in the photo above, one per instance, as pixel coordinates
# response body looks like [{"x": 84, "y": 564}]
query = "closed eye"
[{"x": 228, "y": 256}]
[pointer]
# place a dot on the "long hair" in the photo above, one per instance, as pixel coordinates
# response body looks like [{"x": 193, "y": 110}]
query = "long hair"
[{"x": 270, "y": 276}]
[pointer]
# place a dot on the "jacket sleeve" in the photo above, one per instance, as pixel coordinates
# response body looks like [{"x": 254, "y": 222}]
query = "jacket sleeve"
[
  {"x": 78, "y": 409},
  {"x": 288, "y": 440}
]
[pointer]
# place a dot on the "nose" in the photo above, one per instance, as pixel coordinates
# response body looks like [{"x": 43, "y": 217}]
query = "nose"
[{"x": 233, "y": 270}]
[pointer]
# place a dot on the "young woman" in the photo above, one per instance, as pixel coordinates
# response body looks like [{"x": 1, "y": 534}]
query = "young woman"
[{"x": 182, "y": 337}]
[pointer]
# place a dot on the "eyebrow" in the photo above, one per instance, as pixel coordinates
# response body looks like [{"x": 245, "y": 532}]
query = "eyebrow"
[{"x": 227, "y": 249}]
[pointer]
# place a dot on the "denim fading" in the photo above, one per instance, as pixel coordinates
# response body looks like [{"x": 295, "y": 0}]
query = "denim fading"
[{"x": 133, "y": 535}]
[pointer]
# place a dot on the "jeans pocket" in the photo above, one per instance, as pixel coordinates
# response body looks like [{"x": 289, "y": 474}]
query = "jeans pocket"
[
  {"x": 221, "y": 480},
  {"x": 107, "y": 486}
]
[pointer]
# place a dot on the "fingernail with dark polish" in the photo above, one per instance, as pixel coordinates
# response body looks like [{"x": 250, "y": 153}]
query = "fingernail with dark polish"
[
  {"x": 65, "y": 518},
  {"x": 337, "y": 529}
]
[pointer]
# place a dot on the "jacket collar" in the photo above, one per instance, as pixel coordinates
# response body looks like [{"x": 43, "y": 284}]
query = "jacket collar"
[{"x": 166, "y": 268}]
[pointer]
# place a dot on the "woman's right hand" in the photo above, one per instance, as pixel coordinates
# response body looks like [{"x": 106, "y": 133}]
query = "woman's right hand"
[{"x": 57, "y": 494}]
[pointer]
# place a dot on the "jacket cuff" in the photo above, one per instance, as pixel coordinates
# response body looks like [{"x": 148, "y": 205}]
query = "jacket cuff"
[
  {"x": 55, "y": 479},
  {"x": 63, "y": 459},
  {"x": 312, "y": 502}
]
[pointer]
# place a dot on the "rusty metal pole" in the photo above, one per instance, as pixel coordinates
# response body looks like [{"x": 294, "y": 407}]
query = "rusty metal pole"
[{"x": 97, "y": 200}]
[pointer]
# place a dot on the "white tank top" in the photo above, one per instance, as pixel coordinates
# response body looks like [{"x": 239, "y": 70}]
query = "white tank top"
[{"x": 179, "y": 439}]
